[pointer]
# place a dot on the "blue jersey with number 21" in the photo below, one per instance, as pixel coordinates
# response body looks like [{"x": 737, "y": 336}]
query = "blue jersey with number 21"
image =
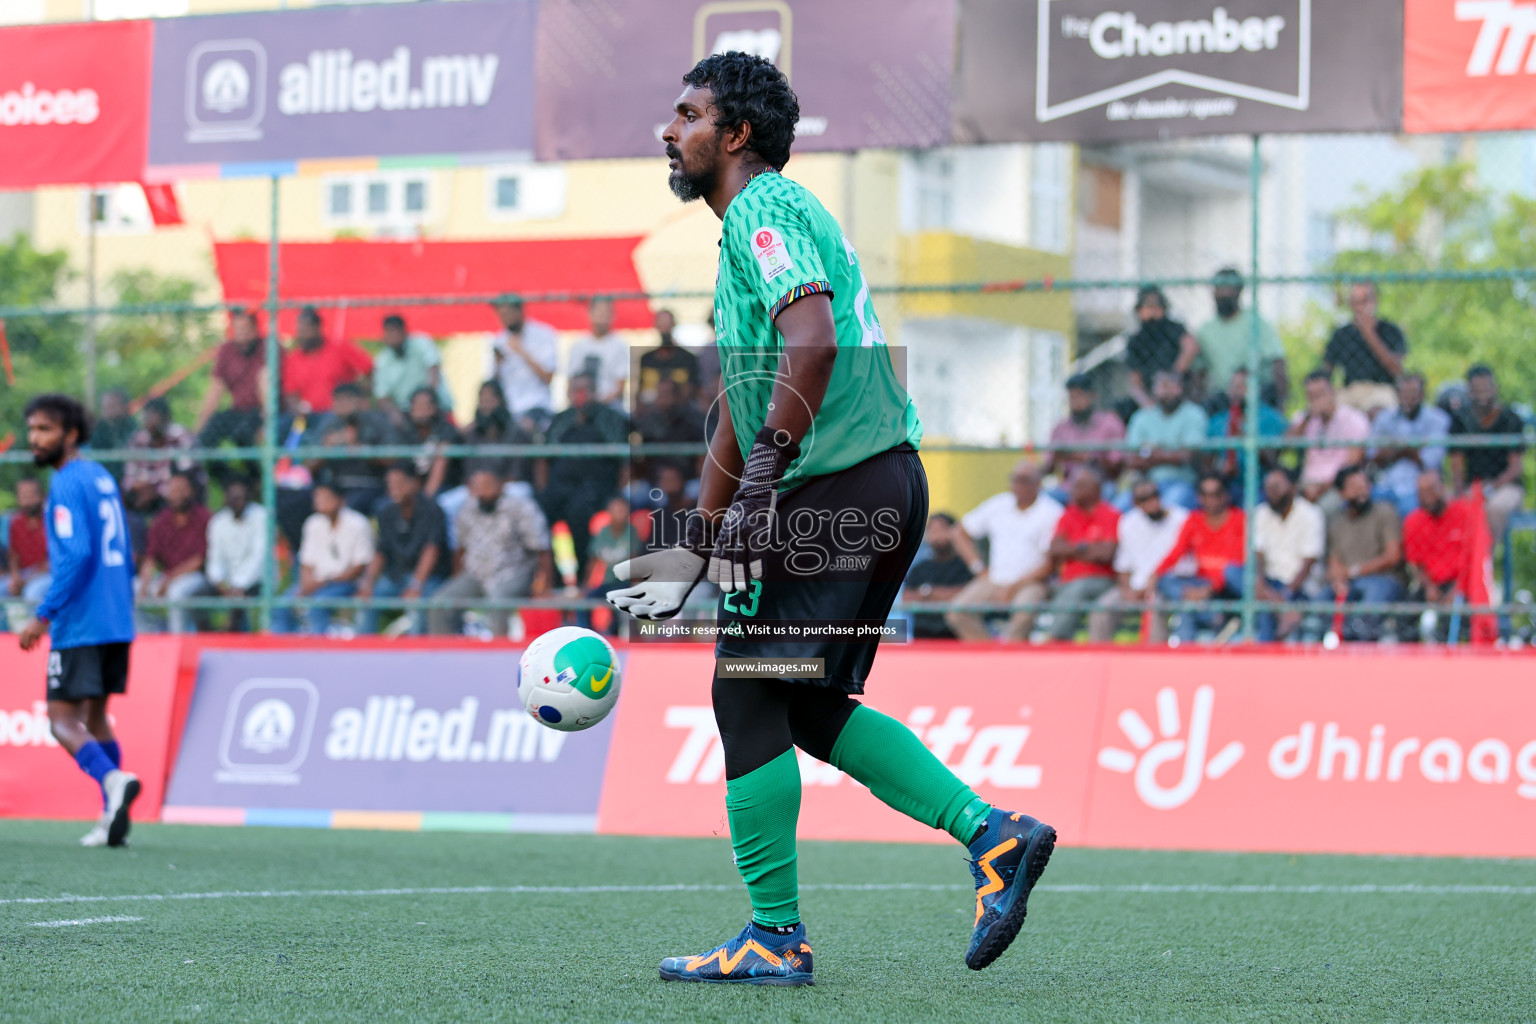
[{"x": 91, "y": 598}]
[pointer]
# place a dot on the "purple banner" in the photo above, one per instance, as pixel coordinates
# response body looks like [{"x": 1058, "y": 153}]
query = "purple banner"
[
  {"x": 868, "y": 76},
  {"x": 402, "y": 80},
  {"x": 432, "y": 731}
]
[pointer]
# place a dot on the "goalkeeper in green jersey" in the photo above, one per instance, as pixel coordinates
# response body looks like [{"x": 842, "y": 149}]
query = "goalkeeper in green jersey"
[{"x": 811, "y": 508}]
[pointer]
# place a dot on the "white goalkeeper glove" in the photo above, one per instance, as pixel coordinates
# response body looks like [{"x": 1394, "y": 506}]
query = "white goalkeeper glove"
[{"x": 663, "y": 579}]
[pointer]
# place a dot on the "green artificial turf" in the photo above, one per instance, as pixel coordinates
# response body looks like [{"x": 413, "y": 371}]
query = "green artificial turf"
[{"x": 1090, "y": 951}]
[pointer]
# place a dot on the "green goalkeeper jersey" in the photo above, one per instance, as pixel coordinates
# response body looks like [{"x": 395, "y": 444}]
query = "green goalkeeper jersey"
[{"x": 779, "y": 244}]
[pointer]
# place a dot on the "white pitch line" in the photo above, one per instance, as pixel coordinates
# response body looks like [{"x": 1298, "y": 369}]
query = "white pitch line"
[
  {"x": 82, "y": 920},
  {"x": 595, "y": 890}
]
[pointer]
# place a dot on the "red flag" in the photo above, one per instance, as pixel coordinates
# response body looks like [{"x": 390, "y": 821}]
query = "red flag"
[
  {"x": 1477, "y": 569},
  {"x": 163, "y": 207}
]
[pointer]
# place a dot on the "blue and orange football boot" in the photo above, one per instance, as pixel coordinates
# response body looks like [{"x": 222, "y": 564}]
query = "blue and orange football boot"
[
  {"x": 1007, "y": 860},
  {"x": 755, "y": 957}
]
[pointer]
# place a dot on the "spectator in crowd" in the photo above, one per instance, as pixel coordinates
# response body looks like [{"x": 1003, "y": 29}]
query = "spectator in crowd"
[
  {"x": 406, "y": 363},
  {"x": 116, "y": 424},
  {"x": 526, "y": 353},
  {"x": 936, "y": 578},
  {"x": 669, "y": 518},
  {"x": 314, "y": 366},
  {"x": 1496, "y": 470},
  {"x": 602, "y": 355},
  {"x": 668, "y": 361},
  {"x": 352, "y": 423},
  {"x": 575, "y": 487},
  {"x": 410, "y": 559},
  {"x": 1144, "y": 536},
  {"x": 1214, "y": 536},
  {"x": 493, "y": 424},
  {"x": 1370, "y": 351},
  {"x": 239, "y": 371},
  {"x": 613, "y": 540},
  {"x": 1365, "y": 552},
  {"x": 27, "y": 544},
  {"x": 237, "y": 548},
  {"x": 1437, "y": 540},
  {"x": 1086, "y": 423},
  {"x": 1400, "y": 464},
  {"x": 147, "y": 481},
  {"x": 1159, "y": 345},
  {"x": 337, "y": 549},
  {"x": 1289, "y": 535},
  {"x": 1226, "y": 339},
  {"x": 428, "y": 426},
  {"x": 177, "y": 553},
  {"x": 671, "y": 419},
  {"x": 1163, "y": 435},
  {"x": 503, "y": 553},
  {"x": 1231, "y": 422},
  {"x": 1326, "y": 419},
  {"x": 1018, "y": 526},
  {"x": 1084, "y": 553}
]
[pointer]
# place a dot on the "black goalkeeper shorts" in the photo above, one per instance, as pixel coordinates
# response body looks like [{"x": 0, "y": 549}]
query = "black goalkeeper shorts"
[
  {"x": 87, "y": 673},
  {"x": 843, "y": 545}
]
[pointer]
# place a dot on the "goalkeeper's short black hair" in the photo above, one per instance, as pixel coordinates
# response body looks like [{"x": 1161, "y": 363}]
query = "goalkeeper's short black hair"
[
  {"x": 750, "y": 89},
  {"x": 64, "y": 410}
]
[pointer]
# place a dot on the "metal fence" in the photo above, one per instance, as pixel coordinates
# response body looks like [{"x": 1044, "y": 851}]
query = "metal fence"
[{"x": 1438, "y": 227}]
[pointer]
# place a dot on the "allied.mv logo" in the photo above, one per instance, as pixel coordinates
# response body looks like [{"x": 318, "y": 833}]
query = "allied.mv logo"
[
  {"x": 1148, "y": 756},
  {"x": 268, "y": 726},
  {"x": 267, "y": 729}
]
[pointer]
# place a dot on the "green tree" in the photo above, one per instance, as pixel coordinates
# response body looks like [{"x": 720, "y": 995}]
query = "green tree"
[{"x": 1439, "y": 219}]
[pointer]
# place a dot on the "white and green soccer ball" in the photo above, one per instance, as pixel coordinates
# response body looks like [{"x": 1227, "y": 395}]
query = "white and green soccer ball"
[{"x": 569, "y": 678}]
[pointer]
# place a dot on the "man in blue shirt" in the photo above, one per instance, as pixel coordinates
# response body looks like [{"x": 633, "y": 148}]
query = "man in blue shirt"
[{"x": 88, "y": 607}]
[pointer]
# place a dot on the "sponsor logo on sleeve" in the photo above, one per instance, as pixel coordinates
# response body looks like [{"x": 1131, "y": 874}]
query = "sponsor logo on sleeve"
[
  {"x": 772, "y": 255},
  {"x": 63, "y": 522}
]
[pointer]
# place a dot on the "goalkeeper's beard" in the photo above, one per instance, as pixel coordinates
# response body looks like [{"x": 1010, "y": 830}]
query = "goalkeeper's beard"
[{"x": 689, "y": 187}]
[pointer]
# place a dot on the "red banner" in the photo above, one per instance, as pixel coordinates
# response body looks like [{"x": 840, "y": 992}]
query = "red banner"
[
  {"x": 39, "y": 780},
  {"x": 1469, "y": 66},
  {"x": 366, "y": 269},
  {"x": 74, "y": 103},
  {"x": 1336, "y": 753}
]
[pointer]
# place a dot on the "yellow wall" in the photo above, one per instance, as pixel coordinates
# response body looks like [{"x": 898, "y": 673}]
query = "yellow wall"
[{"x": 937, "y": 257}]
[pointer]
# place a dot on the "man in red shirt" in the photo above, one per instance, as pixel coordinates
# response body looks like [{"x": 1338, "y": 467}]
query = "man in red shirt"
[
  {"x": 175, "y": 556},
  {"x": 27, "y": 543},
  {"x": 314, "y": 366},
  {"x": 1214, "y": 535},
  {"x": 1435, "y": 540},
  {"x": 1084, "y": 552},
  {"x": 239, "y": 371}
]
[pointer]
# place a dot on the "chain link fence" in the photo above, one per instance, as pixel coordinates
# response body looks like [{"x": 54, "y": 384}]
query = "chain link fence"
[{"x": 1278, "y": 333}]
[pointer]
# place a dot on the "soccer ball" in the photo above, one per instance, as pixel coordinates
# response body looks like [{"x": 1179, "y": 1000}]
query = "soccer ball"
[{"x": 568, "y": 678}]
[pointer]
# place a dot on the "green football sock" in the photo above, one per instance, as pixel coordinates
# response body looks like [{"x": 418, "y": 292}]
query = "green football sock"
[
  {"x": 888, "y": 757},
  {"x": 763, "y": 806}
]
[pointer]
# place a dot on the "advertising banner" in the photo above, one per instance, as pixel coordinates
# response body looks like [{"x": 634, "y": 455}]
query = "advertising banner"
[
  {"x": 1241, "y": 751},
  {"x": 1469, "y": 66},
  {"x": 1089, "y": 71},
  {"x": 38, "y": 779},
  {"x": 297, "y": 734},
  {"x": 340, "y": 82},
  {"x": 74, "y": 103},
  {"x": 866, "y": 76}
]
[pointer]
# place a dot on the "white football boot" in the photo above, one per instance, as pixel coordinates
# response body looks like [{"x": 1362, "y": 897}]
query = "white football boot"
[{"x": 122, "y": 790}]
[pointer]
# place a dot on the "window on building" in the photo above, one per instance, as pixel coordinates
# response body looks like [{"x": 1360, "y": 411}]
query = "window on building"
[
  {"x": 525, "y": 191},
  {"x": 932, "y": 191},
  {"x": 387, "y": 201},
  {"x": 1050, "y": 188},
  {"x": 118, "y": 210}
]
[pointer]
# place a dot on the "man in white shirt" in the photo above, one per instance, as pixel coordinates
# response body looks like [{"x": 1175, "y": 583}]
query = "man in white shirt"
[
  {"x": 237, "y": 546},
  {"x": 1018, "y": 526},
  {"x": 602, "y": 354},
  {"x": 337, "y": 547},
  {"x": 1146, "y": 534},
  {"x": 1289, "y": 536},
  {"x": 526, "y": 353}
]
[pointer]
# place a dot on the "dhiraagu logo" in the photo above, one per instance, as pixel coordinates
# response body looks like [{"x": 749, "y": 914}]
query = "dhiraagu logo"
[
  {"x": 748, "y": 607},
  {"x": 586, "y": 663}
]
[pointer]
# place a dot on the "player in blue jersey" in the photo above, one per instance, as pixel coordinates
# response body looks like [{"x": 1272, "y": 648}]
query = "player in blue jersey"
[{"x": 88, "y": 608}]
